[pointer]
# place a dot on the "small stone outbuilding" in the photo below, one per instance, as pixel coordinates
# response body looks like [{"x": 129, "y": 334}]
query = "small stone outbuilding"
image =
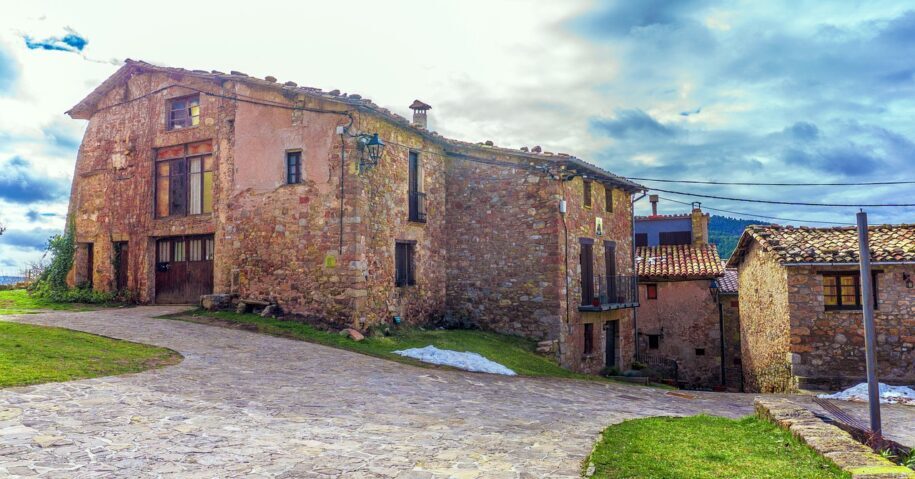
[{"x": 800, "y": 306}]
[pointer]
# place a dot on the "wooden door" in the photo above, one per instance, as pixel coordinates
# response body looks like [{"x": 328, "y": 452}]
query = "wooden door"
[
  {"x": 613, "y": 333},
  {"x": 121, "y": 256},
  {"x": 184, "y": 269}
]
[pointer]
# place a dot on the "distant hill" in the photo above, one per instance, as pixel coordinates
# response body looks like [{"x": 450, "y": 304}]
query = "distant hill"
[{"x": 724, "y": 232}]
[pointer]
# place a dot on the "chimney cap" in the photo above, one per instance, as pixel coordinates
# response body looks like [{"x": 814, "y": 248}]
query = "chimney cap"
[
  {"x": 653, "y": 198},
  {"x": 418, "y": 105}
]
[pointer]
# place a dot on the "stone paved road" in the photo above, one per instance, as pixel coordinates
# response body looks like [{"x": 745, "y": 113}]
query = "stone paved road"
[{"x": 248, "y": 405}]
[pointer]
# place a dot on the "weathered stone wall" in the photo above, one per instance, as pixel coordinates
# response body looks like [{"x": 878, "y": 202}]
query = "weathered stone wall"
[
  {"x": 686, "y": 317},
  {"x": 828, "y": 346},
  {"x": 112, "y": 194},
  {"x": 504, "y": 259},
  {"x": 580, "y": 223},
  {"x": 764, "y": 324},
  {"x": 733, "y": 371}
]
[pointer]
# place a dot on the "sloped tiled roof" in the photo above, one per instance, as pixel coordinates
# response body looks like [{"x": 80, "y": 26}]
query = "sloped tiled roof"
[
  {"x": 86, "y": 107},
  {"x": 678, "y": 262},
  {"x": 888, "y": 243},
  {"x": 727, "y": 284},
  {"x": 664, "y": 217}
]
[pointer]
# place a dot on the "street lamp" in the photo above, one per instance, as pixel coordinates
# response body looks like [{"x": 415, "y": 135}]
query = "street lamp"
[
  {"x": 372, "y": 145},
  {"x": 713, "y": 289}
]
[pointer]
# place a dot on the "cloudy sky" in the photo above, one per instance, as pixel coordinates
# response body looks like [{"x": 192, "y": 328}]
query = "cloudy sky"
[{"x": 737, "y": 91}]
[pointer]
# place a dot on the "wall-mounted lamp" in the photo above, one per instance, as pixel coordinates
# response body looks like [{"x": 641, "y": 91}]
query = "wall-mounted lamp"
[
  {"x": 372, "y": 149},
  {"x": 713, "y": 289},
  {"x": 907, "y": 277}
]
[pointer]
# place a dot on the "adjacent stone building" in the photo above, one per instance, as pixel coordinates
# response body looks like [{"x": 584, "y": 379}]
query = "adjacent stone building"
[
  {"x": 193, "y": 182},
  {"x": 729, "y": 308},
  {"x": 679, "y": 320},
  {"x": 800, "y": 306}
]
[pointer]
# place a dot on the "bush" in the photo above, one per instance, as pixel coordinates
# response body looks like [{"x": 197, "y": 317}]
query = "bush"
[
  {"x": 75, "y": 295},
  {"x": 610, "y": 371}
]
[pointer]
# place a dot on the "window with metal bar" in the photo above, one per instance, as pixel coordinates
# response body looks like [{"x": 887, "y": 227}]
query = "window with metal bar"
[{"x": 293, "y": 167}]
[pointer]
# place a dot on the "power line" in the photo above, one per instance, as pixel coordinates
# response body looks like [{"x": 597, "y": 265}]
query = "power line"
[
  {"x": 793, "y": 203},
  {"x": 759, "y": 216},
  {"x": 710, "y": 182}
]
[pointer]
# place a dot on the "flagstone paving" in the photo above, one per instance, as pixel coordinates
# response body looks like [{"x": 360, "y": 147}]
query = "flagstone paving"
[{"x": 249, "y": 405}]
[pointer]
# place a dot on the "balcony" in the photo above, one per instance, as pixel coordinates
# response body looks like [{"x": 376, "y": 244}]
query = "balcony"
[
  {"x": 417, "y": 207},
  {"x": 621, "y": 291}
]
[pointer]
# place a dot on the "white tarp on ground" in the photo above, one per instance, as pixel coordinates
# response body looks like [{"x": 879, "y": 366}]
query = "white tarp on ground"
[
  {"x": 888, "y": 394},
  {"x": 466, "y": 361}
]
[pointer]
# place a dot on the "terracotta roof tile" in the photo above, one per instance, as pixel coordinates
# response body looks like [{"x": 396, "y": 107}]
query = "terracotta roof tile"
[
  {"x": 727, "y": 284},
  {"x": 678, "y": 261},
  {"x": 888, "y": 243}
]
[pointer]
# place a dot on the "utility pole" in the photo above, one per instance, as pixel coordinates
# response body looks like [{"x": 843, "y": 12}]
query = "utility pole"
[{"x": 870, "y": 334}]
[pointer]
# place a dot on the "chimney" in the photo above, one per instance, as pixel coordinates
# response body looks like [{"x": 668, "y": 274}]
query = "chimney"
[
  {"x": 420, "y": 118},
  {"x": 699, "y": 222},
  {"x": 654, "y": 204}
]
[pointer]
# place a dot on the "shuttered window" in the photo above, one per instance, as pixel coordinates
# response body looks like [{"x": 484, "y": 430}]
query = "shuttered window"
[
  {"x": 608, "y": 198},
  {"x": 404, "y": 271},
  {"x": 586, "y": 201},
  {"x": 675, "y": 237},
  {"x": 586, "y": 259}
]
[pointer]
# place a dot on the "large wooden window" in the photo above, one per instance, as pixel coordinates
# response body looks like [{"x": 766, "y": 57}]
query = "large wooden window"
[
  {"x": 416, "y": 195},
  {"x": 183, "y": 112},
  {"x": 586, "y": 200},
  {"x": 184, "y": 180},
  {"x": 293, "y": 167},
  {"x": 589, "y": 339},
  {"x": 404, "y": 267},
  {"x": 842, "y": 290},
  {"x": 586, "y": 259}
]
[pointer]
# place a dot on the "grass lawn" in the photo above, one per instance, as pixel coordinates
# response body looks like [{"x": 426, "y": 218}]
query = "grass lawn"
[
  {"x": 18, "y": 301},
  {"x": 513, "y": 352},
  {"x": 705, "y": 447},
  {"x": 38, "y": 354}
]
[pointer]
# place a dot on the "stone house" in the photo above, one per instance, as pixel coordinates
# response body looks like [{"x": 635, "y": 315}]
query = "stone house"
[
  {"x": 192, "y": 182},
  {"x": 800, "y": 306},
  {"x": 679, "y": 322},
  {"x": 729, "y": 309}
]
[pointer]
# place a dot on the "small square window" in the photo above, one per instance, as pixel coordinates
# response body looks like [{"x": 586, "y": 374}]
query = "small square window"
[
  {"x": 183, "y": 112},
  {"x": 654, "y": 341},
  {"x": 651, "y": 291},
  {"x": 700, "y": 351}
]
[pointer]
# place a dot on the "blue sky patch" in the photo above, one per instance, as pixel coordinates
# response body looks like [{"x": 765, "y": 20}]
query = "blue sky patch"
[{"x": 71, "y": 42}]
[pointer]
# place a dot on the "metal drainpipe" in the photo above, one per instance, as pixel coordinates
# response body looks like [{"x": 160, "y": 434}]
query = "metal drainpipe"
[{"x": 635, "y": 278}]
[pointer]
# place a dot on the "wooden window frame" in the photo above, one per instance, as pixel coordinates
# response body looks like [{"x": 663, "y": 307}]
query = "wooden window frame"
[
  {"x": 586, "y": 262},
  {"x": 293, "y": 168},
  {"x": 588, "y": 346},
  {"x": 188, "y": 120},
  {"x": 416, "y": 195},
  {"x": 184, "y": 159},
  {"x": 649, "y": 288},
  {"x": 408, "y": 277},
  {"x": 586, "y": 193},
  {"x": 608, "y": 199},
  {"x": 859, "y": 303}
]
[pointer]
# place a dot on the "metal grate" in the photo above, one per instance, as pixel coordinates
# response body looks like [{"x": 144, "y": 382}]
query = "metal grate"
[{"x": 841, "y": 415}]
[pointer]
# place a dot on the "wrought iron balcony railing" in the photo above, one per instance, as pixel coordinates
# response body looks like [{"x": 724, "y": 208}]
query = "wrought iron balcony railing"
[{"x": 620, "y": 291}]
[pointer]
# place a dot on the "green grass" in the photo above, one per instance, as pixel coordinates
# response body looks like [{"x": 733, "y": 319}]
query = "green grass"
[
  {"x": 511, "y": 351},
  {"x": 37, "y": 354},
  {"x": 18, "y": 301},
  {"x": 705, "y": 447}
]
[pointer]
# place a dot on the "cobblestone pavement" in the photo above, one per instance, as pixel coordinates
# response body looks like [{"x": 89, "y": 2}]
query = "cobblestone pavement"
[{"x": 249, "y": 405}]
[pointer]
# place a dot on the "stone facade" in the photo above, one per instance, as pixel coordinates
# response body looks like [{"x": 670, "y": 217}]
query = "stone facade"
[
  {"x": 790, "y": 340},
  {"x": 491, "y": 249},
  {"x": 685, "y": 317}
]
